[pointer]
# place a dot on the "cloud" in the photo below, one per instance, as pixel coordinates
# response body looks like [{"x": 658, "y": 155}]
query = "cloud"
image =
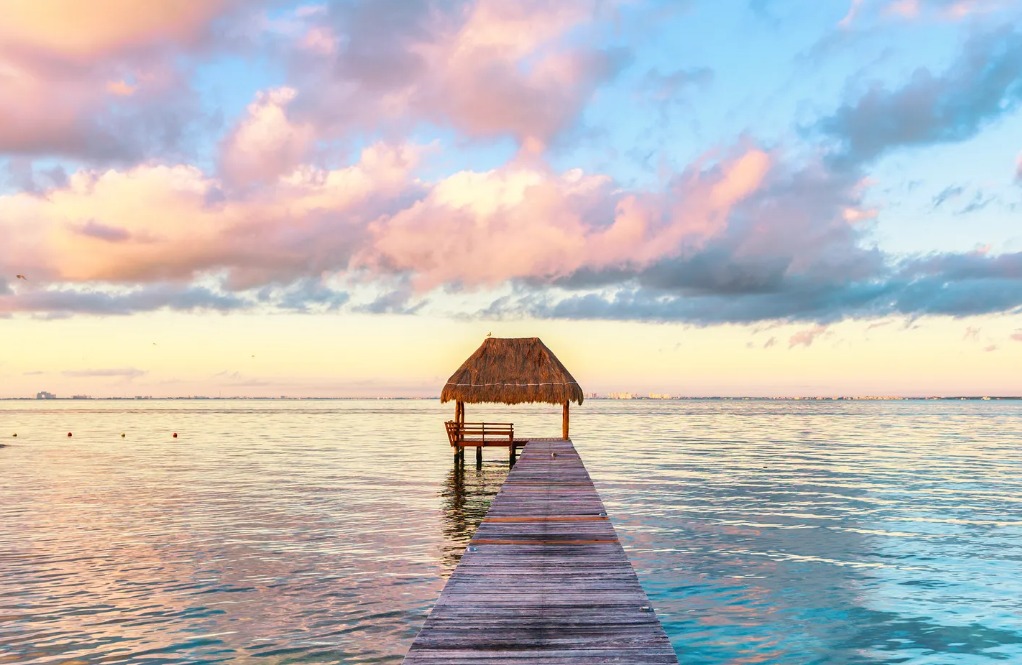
[
  {"x": 806, "y": 337},
  {"x": 978, "y": 202},
  {"x": 1017, "y": 335},
  {"x": 490, "y": 68},
  {"x": 983, "y": 85},
  {"x": 912, "y": 10},
  {"x": 949, "y": 192},
  {"x": 523, "y": 222},
  {"x": 111, "y": 89},
  {"x": 953, "y": 10},
  {"x": 67, "y": 301},
  {"x": 266, "y": 143},
  {"x": 127, "y": 373},
  {"x": 742, "y": 234},
  {"x": 137, "y": 26},
  {"x": 665, "y": 87},
  {"x": 94, "y": 229},
  {"x": 971, "y": 334},
  {"x": 173, "y": 223}
]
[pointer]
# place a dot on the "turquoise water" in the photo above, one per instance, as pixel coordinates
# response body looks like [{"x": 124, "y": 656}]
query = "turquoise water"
[{"x": 322, "y": 531}]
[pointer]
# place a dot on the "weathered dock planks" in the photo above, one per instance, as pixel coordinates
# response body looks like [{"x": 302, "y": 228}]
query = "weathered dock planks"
[{"x": 545, "y": 579}]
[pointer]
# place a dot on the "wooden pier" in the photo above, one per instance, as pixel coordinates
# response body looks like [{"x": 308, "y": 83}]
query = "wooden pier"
[{"x": 544, "y": 580}]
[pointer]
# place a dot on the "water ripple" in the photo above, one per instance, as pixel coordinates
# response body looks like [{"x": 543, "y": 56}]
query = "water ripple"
[{"x": 316, "y": 532}]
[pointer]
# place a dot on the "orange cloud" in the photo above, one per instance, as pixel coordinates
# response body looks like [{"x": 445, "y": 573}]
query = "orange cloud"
[{"x": 101, "y": 27}]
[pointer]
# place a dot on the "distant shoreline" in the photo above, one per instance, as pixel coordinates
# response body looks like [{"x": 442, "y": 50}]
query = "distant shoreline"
[{"x": 751, "y": 398}]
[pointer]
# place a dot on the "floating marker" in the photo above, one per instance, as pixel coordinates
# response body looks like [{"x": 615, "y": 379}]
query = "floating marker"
[
  {"x": 15, "y": 435},
  {"x": 122, "y": 435},
  {"x": 69, "y": 433},
  {"x": 175, "y": 435}
]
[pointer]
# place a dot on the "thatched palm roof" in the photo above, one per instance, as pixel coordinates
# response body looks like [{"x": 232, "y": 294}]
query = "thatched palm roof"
[{"x": 512, "y": 371}]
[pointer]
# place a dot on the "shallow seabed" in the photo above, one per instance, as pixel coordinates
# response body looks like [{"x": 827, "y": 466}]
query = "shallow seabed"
[{"x": 322, "y": 531}]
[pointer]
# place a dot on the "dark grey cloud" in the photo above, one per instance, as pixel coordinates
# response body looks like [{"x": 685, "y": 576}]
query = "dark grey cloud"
[
  {"x": 788, "y": 253},
  {"x": 309, "y": 295},
  {"x": 64, "y": 302},
  {"x": 907, "y": 291},
  {"x": 401, "y": 300},
  {"x": 984, "y": 84}
]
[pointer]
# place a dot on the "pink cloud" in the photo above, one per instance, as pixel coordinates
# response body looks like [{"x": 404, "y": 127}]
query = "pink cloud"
[
  {"x": 266, "y": 143},
  {"x": 524, "y": 222},
  {"x": 64, "y": 86},
  {"x": 944, "y": 10},
  {"x": 155, "y": 223},
  {"x": 1017, "y": 335},
  {"x": 806, "y": 337},
  {"x": 489, "y": 68},
  {"x": 952, "y": 10},
  {"x": 971, "y": 334}
]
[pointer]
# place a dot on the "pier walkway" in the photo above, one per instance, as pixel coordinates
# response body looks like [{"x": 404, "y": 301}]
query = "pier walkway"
[{"x": 544, "y": 580}]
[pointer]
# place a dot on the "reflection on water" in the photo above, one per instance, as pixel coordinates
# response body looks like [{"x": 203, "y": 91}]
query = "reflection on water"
[
  {"x": 835, "y": 533},
  {"x": 322, "y": 532},
  {"x": 466, "y": 497}
]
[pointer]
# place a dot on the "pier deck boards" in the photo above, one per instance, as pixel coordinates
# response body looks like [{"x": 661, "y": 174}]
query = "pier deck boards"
[{"x": 545, "y": 579}]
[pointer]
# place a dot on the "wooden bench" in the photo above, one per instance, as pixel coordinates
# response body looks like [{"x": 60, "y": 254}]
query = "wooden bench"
[{"x": 480, "y": 434}]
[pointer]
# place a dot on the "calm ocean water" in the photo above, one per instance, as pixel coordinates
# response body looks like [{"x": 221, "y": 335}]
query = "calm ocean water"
[{"x": 322, "y": 531}]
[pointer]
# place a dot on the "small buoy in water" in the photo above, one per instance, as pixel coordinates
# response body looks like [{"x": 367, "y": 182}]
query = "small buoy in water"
[
  {"x": 175, "y": 435},
  {"x": 15, "y": 435},
  {"x": 553, "y": 455},
  {"x": 122, "y": 435},
  {"x": 69, "y": 433}
]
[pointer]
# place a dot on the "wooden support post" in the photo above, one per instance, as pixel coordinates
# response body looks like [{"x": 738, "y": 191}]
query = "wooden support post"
[
  {"x": 564, "y": 422},
  {"x": 479, "y": 456},
  {"x": 459, "y": 417}
]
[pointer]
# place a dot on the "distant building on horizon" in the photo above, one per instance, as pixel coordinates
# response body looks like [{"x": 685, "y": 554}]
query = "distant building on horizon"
[{"x": 42, "y": 394}]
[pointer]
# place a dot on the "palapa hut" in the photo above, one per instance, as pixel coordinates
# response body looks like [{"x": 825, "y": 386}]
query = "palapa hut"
[{"x": 513, "y": 370}]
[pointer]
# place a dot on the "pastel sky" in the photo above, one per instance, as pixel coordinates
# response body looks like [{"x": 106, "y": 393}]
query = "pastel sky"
[{"x": 757, "y": 197}]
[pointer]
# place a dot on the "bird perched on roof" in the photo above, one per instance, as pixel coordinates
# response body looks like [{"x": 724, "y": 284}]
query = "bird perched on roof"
[{"x": 488, "y": 334}]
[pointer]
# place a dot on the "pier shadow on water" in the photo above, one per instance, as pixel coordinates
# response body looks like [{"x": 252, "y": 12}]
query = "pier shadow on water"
[{"x": 466, "y": 495}]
